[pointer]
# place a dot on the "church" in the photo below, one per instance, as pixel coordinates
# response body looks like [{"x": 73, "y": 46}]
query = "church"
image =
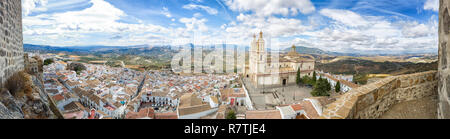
[{"x": 262, "y": 71}]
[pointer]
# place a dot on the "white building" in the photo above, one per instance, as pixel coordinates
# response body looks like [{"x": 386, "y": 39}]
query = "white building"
[
  {"x": 346, "y": 85},
  {"x": 263, "y": 69}
]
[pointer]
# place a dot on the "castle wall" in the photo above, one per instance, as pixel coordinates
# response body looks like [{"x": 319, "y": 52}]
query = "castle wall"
[
  {"x": 444, "y": 57},
  {"x": 371, "y": 101},
  {"x": 11, "y": 39}
]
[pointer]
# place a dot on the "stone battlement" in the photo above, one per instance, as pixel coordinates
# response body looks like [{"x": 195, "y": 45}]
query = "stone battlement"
[
  {"x": 444, "y": 64},
  {"x": 11, "y": 39},
  {"x": 372, "y": 100}
]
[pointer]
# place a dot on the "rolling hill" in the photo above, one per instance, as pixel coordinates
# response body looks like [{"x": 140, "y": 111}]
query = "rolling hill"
[{"x": 357, "y": 65}]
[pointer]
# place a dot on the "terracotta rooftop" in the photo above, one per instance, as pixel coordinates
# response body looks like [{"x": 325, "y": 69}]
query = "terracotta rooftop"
[
  {"x": 297, "y": 107},
  {"x": 168, "y": 115},
  {"x": 310, "y": 110},
  {"x": 73, "y": 106},
  {"x": 143, "y": 113},
  {"x": 232, "y": 92},
  {"x": 189, "y": 99},
  {"x": 190, "y": 104},
  {"x": 267, "y": 114},
  {"x": 58, "y": 97}
]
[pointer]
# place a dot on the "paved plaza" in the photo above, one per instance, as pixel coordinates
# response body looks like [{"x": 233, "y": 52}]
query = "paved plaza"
[{"x": 269, "y": 97}]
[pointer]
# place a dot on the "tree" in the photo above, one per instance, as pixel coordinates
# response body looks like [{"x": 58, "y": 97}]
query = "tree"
[
  {"x": 307, "y": 80},
  {"x": 320, "y": 88},
  {"x": 298, "y": 78},
  {"x": 328, "y": 85},
  {"x": 360, "y": 79},
  {"x": 314, "y": 78},
  {"x": 231, "y": 115},
  {"x": 48, "y": 61},
  {"x": 337, "y": 88}
]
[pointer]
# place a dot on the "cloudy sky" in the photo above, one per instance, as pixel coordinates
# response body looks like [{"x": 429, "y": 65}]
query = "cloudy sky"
[{"x": 382, "y": 26}]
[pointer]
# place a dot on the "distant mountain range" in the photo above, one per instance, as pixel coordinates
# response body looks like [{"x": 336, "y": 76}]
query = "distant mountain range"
[
  {"x": 308, "y": 50},
  {"x": 140, "y": 49},
  {"x": 71, "y": 49},
  {"x": 355, "y": 65},
  {"x": 137, "y": 49}
]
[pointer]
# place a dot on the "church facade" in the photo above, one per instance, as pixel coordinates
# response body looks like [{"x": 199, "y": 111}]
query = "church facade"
[{"x": 262, "y": 71}]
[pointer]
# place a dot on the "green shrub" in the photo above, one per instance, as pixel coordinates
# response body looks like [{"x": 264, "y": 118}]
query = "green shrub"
[
  {"x": 231, "y": 115},
  {"x": 48, "y": 61}
]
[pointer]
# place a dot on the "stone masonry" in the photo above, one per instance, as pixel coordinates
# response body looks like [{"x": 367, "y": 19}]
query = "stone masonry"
[
  {"x": 373, "y": 100},
  {"x": 11, "y": 39},
  {"x": 444, "y": 57}
]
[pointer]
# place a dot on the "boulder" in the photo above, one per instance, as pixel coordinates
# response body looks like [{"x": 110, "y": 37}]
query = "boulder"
[
  {"x": 10, "y": 103},
  {"x": 5, "y": 113}
]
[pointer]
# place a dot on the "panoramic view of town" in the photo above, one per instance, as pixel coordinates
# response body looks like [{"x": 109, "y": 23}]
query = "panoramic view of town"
[{"x": 224, "y": 59}]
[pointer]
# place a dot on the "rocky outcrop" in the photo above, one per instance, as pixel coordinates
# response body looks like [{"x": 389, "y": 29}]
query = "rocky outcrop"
[
  {"x": 13, "y": 108},
  {"x": 5, "y": 113},
  {"x": 38, "y": 106},
  {"x": 28, "y": 102}
]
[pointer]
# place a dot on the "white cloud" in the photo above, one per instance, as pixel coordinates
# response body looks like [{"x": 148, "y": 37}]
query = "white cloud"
[
  {"x": 432, "y": 5},
  {"x": 194, "y": 24},
  {"x": 272, "y": 7},
  {"x": 370, "y": 34},
  {"x": 101, "y": 17},
  {"x": 246, "y": 25},
  {"x": 344, "y": 16},
  {"x": 415, "y": 30},
  {"x": 209, "y": 10},
  {"x": 165, "y": 11},
  {"x": 30, "y": 6}
]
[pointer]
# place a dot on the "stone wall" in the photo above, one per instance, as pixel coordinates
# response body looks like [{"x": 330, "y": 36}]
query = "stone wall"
[
  {"x": 444, "y": 57},
  {"x": 371, "y": 101},
  {"x": 11, "y": 39}
]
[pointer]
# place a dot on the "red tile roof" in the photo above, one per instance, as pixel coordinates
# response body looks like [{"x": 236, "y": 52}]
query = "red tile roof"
[
  {"x": 143, "y": 113},
  {"x": 310, "y": 110},
  {"x": 58, "y": 97},
  {"x": 297, "y": 107},
  {"x": 168, "y": 115},
  {"x": 92, "y": 116},
  {"x": 268, "y": 114}
]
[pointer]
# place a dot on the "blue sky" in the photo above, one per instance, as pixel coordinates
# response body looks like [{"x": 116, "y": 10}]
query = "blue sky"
[{"x": 384, "y": 26}]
